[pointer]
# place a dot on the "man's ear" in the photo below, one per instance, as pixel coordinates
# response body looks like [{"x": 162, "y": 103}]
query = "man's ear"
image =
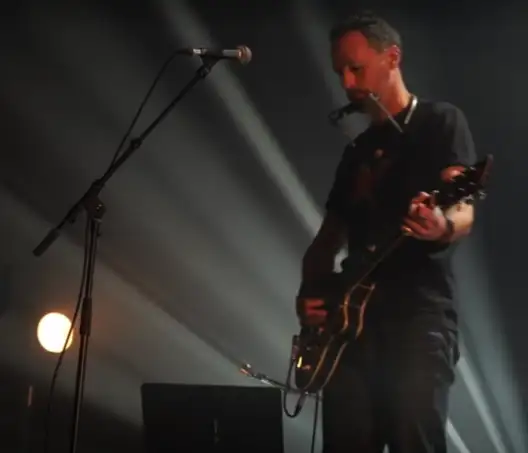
[{"x": 394, "y": 56}]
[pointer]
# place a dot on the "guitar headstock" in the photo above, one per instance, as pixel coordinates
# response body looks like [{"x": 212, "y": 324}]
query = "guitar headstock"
[{"x": 468, "y": 186}]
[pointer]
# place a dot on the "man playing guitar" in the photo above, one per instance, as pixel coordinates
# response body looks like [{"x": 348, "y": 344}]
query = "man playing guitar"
[{"x": 391, "y": 386}]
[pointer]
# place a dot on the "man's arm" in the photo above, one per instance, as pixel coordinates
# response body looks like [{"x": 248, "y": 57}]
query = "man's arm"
[
  {"x": 459, "y": 149},
  {"x": 319, "y": 259},
  {"x": 462, "y": 214},
  {"x": 317, "y": 265},
  {"x": 453, "y": 149},
  {"x": 428, "y": 223}
]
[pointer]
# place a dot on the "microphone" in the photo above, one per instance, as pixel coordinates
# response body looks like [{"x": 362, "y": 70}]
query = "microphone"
[
  {"x": 241, "y": 53},
  {"x": 352, "y": 107},
  {"x": 338, "y": 114}
]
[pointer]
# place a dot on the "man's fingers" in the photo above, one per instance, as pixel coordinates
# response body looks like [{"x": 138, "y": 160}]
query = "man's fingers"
[
  {"x": 312, "y": 303},
  {"x": 421, "y": 197},
  {"x": 431, "y": 202},
  {"x": 424, "y": 212},
  {"x": 315, "y": 312},
  {"x": 412, "y": 228},
  {"x": 420, "y": 200}
]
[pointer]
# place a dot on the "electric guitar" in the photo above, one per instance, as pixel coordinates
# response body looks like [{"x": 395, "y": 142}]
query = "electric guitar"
[{"x": 318, "y": 350}]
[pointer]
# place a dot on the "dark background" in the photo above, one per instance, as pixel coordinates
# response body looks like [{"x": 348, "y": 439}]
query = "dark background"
[{"x": 206, "y": 224}]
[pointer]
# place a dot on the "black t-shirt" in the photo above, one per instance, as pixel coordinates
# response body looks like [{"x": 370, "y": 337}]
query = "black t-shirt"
[{"x": 376, "y": 179}]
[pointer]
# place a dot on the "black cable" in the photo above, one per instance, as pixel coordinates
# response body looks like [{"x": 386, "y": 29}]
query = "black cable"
[
  {"x": 86, "y": 257},
  {"x": 314, "y": 428},
  {"x": 302, "y": 397},
  {"x": 64, "y": 347},
  {"x": 140, "y": 109},
  {"x": 300, "y": 402}
]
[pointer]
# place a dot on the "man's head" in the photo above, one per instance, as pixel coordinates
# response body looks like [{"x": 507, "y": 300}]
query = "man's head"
[{"x": 366, "y": 54}]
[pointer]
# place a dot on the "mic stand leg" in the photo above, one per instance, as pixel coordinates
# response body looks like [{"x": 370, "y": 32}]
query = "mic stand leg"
[{"x": 95, "y": 211}]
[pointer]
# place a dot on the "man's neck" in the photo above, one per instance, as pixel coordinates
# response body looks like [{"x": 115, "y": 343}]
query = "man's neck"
[{"x": 394, "y": 102}]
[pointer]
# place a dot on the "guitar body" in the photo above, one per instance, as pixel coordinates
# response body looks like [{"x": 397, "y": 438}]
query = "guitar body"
[{"x": 320, "y": 348}]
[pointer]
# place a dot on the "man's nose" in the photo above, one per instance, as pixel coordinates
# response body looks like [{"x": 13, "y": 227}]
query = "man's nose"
[{"x": 348, "y": 79}]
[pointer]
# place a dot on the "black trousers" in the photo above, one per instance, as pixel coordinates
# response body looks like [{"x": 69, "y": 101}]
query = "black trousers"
[{"x": 392, "y": 388}]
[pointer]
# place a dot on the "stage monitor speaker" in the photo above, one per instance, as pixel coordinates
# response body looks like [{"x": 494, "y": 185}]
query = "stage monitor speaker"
[{"x": 211, "y": 418}]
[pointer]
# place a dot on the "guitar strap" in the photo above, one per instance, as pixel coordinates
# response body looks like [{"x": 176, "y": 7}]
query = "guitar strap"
[
  {"x": 403, "y": 136},
  {"x": 379, "y": 160},
  {"x": 414, "y": 103}
]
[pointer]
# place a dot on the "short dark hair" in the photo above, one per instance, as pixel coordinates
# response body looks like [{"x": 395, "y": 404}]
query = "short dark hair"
[{"x": 378, "y": 32}]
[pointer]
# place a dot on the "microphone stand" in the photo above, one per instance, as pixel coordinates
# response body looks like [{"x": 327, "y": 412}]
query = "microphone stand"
[{"x": 95, "y": 210}]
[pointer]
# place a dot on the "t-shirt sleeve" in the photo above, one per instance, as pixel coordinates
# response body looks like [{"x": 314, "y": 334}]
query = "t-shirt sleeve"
[
  {"x": 450, "y": 144},
  {"x": 455, "y": 145}
]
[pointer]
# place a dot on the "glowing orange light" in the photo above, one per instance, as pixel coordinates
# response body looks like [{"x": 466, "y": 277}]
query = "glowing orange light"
[{"x": 52, "y": 331}]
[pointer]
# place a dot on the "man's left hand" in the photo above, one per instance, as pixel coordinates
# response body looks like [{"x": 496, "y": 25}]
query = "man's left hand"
[{"x": 425, "y": 221}]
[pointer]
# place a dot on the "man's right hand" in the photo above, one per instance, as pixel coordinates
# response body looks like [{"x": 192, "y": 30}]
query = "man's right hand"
[{"x": 311, "y": 311}]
